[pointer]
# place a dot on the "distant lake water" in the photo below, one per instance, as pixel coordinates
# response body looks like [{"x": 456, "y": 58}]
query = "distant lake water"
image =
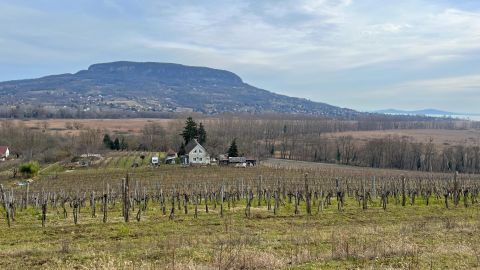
[
  {"x": 453, "y": 116},
  {"x": 472, "y": 117},
  {"x": 467, "y": 117}
]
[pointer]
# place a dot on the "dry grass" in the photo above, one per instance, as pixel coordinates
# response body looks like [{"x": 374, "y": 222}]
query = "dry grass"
[
  {"x": 440, "y": 137},
  {"x": 124, "y": 126}
]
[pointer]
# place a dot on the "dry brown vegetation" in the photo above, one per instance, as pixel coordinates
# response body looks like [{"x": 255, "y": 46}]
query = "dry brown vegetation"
[
  {"x": 442, "y": 137},
  {"x": 69, "y": 126}
]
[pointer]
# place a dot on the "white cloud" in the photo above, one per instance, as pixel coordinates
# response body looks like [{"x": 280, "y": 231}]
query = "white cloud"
[
  {"x": 459, "y": 85},
  {"x": 378, "y": 29}
]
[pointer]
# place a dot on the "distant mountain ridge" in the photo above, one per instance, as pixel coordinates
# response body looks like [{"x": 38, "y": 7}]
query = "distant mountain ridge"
[{"x": 156, "y": 87}]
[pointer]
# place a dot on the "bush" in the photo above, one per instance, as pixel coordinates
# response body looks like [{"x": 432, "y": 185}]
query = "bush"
[{"x": 30, "y": 169}]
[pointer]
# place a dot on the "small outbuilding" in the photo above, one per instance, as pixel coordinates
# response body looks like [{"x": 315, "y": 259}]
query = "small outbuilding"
[
  {"x": 237, "y": 161},
  {"x": 155, "y": 161},
  {"x": 251, "y": 161},
  {"x": 223, "y": 160},
  {"x": 171, "y": 157}
]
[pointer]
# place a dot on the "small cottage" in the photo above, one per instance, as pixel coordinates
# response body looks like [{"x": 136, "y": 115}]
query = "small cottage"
[
  {"x": 4, "y": 153},
  {"x": 196, "y": 154},
  {"x": 171, "y": 157}
]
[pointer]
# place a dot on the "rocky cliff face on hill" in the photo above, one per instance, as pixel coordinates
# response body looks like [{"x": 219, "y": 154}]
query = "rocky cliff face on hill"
[{"x": 155, "y": 87}]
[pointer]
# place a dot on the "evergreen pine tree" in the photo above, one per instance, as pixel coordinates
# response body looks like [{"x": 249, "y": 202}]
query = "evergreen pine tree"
[
  {"x": 116, "y": 144},
  {"x": 202, "y": 134},
  {"x": 190, "y": 130},
  {"x": 123, "y": 144},
  {"x": 107, "y": 141},
  {"x": 233, "y": 150},
  {"x": 182, "y": 151}
]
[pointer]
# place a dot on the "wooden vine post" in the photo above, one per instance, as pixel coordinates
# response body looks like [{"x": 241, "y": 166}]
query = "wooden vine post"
[
  {"x": 5, "y": 205},
  {"x": 105, "y": 207},
  {"x": 307, "y": 196},
  {"x": 126, "y": 199},
  {"x": 44, "y": 211},
  {"x": 456, "y": 192}
]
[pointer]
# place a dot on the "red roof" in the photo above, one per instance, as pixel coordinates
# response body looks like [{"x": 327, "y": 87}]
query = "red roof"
[{"x": 3, "y": 150}]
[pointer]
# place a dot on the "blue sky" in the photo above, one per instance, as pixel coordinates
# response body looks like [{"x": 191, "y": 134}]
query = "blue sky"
[{"x": 360, "y": 54}]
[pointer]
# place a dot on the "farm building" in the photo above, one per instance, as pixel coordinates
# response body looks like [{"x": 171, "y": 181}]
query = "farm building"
[
  {"x": 237, "y": 161},
  {"x": 251, "y": 161},
  {"x": 196, "y": 154},
  {"x": 4, "y": 153},
  {"x": 223, "y": 159},
  {"x": 171, "y": 157}
]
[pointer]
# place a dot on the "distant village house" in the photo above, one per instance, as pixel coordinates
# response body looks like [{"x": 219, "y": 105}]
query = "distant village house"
[{"x": 4, "y": 153}]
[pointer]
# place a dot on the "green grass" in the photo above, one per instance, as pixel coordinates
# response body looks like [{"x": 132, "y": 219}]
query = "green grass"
[
  {"x": 52, "y": 168},
  {"x": 124, "y": 160},
  {"x": 146, "y": 161}
]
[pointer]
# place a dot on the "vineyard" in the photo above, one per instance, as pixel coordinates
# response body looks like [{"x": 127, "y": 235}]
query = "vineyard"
[
  {"x": 273, "y": 216},
  {"x": 125, "y": 160}
]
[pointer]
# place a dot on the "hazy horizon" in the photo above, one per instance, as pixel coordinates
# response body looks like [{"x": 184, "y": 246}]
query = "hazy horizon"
[{"x": 356, "y": 54}]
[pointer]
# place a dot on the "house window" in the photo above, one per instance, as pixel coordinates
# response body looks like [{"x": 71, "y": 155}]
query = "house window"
[
  {"x": 195, "y": 151},
  {"x": 194, "y": 159},
  {"x": 200, "y": 159},
  {"x": 200, "y": 151}
]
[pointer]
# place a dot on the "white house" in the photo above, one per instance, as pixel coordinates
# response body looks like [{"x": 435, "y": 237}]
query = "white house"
[
  {"x": 4, "y": 153},
  {"x": 196, "y": 153}
]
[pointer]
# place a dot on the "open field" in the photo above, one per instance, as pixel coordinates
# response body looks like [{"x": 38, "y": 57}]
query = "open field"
[
  {"x": 117, "y": 126},
  {"x": 468, "y": 137},
  {"x": 268, "y": 217},
  {"x": 439, "y": 136}
]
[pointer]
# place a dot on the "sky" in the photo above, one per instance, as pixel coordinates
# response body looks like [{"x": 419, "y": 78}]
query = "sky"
[{"x": 360, "y": 54}]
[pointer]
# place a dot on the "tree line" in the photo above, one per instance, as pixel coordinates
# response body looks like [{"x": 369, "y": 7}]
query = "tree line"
[{"x": 297, "y": 139}]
